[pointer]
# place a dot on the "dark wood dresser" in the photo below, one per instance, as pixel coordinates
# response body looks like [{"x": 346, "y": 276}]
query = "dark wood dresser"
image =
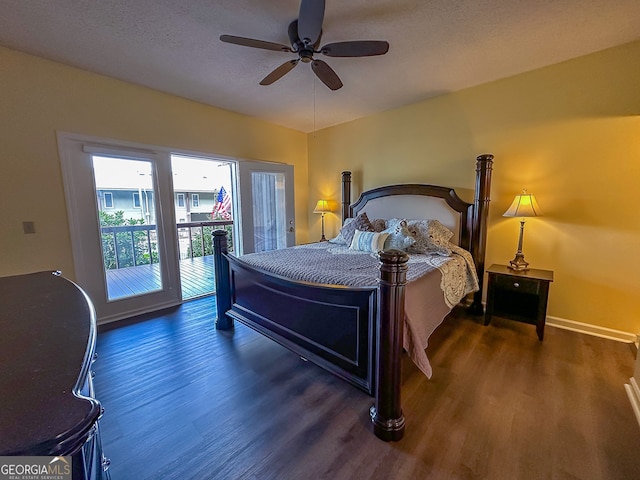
[{"x": 47, "y": 346}]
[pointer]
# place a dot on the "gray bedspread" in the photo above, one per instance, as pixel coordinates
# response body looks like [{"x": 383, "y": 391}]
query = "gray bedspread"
[
  {"x": 425, "y": 306},
  {"x": 328, "y": 263}
]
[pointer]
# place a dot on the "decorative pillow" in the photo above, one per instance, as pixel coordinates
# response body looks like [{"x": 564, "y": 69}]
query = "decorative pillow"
[
  {"x": 393, "y": 222},
  {"x": 431, "y": 237},
  {"x": 368, "y": 241},
  {"x": 400, "y": 238},
  {"x": 361, "y": 222},
  {"x": 378, "y": 224},
  {"x": 339, "y": 239}
]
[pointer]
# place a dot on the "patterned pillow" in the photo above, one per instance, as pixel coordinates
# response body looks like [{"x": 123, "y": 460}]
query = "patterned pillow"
[
  {"x": 393, "y": 222},
  {"x": 368, "y": 241},
  {"x": 400, "y": 238},
  {"x": 431, "y": 237},
  {"x": 378, "y": 224},
  {"x": 339, "y": 239},
  {"x": 361, "y": 222}
]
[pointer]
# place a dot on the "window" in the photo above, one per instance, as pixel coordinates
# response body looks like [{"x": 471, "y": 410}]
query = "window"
[
  {"x": 195, "y": 200},
  {"x": 108, "y": 200},
  {"x": 180, "y": 199},
  {"x": 136, "y": 200}
]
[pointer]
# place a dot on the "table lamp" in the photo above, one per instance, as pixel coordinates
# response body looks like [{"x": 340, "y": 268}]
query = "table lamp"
[
  {"x": 322, "y": 207},
  {"x": 524, "y": 205}
]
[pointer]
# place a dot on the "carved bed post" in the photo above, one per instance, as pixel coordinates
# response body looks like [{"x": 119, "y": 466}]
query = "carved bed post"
[
  {"x": 346, "y": 194},
  {"x": 386, "y": 413},
  {"x": 222, "y": 279},
  {"x": 484, "y": 167}
]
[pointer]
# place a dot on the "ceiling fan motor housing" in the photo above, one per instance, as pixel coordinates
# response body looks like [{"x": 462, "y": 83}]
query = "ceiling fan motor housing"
[{"x": 304, "y": 50}]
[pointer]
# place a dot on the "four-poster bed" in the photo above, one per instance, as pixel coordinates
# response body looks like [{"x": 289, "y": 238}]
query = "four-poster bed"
[{"x": 355, "y": 331}]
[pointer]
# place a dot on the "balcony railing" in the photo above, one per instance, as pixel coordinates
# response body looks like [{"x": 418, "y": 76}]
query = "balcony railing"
[
  {"x": 195, "y": 240},
  {"x": 134, "y": 245},
  {"x": 129, "y": 246}
]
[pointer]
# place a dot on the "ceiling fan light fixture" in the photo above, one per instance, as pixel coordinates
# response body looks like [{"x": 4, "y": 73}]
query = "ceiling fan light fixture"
[{"x": 304, "y": 35}]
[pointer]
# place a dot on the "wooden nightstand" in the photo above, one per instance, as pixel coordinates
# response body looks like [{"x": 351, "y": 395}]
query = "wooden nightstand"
[{"x": 520, "y": 296}]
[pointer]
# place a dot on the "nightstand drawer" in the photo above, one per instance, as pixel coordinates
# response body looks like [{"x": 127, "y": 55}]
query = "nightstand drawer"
[{"x": 517, "y": 284}]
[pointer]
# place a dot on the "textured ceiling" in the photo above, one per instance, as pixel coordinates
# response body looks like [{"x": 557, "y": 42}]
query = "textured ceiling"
[{"x": 436, "y": 46}]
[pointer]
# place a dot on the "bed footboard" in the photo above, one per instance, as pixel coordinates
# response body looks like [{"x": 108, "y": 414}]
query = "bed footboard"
[
  {"x": 330, "y": 325},
  {"x": 355, "y": 333}
]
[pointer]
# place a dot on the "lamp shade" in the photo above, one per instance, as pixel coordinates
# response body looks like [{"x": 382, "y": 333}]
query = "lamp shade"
[
  {"x": 321, "y": 207},
  {"x": 524, "y": 205}
]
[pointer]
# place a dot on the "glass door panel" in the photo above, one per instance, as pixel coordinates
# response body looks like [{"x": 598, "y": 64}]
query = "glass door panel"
[
  {"x": 267, "y": 220},
  {"x": 269, "y": 210},
  {"x": 202, "y": 196},
  {"x": 125, "y": 200}
]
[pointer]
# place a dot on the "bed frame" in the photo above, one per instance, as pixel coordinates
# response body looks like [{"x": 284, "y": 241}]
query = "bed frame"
[{"x": 354, "y": 332}]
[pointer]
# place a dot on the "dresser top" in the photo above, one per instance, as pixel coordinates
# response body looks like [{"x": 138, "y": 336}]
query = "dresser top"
[{"x": 47, "y": 340}]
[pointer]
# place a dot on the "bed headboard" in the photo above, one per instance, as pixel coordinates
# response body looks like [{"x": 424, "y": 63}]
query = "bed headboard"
[
  {"x": 468, "y": 221},
  {"x": 420, "y": 202}
]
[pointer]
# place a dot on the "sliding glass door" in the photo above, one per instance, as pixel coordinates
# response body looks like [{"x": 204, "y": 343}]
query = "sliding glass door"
[
  {"x": 202, "y": 196},
  {"x": 266, "y": 206},
  {"x": 141, "y": 220}
]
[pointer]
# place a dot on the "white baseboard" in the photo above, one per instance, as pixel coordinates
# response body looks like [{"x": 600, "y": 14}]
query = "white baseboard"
[
  {"x": 589, "y": 329},
  {"x": 634, "y": 396},
  {"x": 135, "y": 312}
]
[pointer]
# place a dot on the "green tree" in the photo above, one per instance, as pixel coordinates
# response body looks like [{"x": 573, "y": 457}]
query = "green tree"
[
  {"x": 201, "y": 236},
  {"x": 205, "y": 236},
  {"x": 228, "y": 228},
  {"x": 129, "y": 243}
]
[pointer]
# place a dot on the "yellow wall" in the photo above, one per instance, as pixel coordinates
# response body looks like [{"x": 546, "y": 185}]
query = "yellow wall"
[
  {"x": 570, "y": 133},
  {"x": 39, "y": 97}
]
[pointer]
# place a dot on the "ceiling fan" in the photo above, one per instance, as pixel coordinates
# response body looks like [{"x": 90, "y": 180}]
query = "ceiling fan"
[{"x": 304, "y": 35}]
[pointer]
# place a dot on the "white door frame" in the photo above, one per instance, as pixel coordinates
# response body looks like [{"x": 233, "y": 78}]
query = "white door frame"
[
  {"x": 72, "y": 146},
  {"x": 76, "y": 159}
]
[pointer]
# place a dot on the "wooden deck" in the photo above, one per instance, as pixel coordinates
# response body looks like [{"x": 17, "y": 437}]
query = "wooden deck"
[{"x": 196, "y": 276}]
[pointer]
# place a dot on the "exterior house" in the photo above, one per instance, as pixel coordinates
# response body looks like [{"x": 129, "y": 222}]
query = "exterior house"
[
  {"x": 194, "y": 200},
  {"x": 137, "y": 204}
]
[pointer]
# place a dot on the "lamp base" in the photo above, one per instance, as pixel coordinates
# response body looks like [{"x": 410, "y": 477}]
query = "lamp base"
[{"x": 519, "y": 263}]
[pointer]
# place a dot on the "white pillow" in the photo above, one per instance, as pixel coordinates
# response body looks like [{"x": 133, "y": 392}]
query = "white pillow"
[
  {"x": 400, "y": 238},
  {"x": 368, "y": 241}
]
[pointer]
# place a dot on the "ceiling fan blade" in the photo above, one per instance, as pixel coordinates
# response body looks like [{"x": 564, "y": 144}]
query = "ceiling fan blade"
[
  {"x": 310, "y": 20},
  {"x": 325, "y": 73},
  {"x": 360, "y": 48},
  {"x": 251, "y": 42},
  {"x": 279, "y": 72}
]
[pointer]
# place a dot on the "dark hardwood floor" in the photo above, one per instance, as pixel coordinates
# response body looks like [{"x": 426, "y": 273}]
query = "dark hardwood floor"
[{"x": 184, "y": 401}]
